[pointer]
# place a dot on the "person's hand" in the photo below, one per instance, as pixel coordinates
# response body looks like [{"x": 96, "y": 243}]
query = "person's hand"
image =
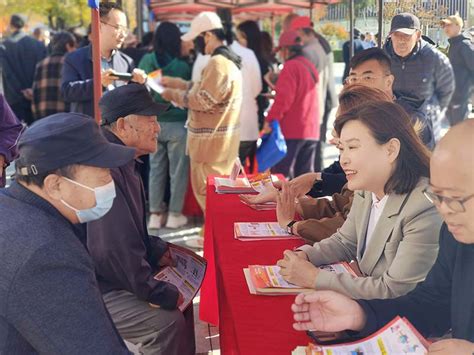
[
  {"x": 451, "y": 346},
  {"x": 297, "y": 271},
  {"x": 167, "y": 95},
  {"x": 138, "y": 76},
  {"x": 180, "y": 300},
  {"x": 301, "y": 254},
  {"x": 107, "y": 77},
  {"x": 303, "y": 183},
  {"x": 28, "y": 94},
  {"x": 286, "y": 205},
  {"x": 327, "y": 311},
  {"x": 174, "y": 83},
  {"x": 269, "y": 195},
  {"x": 166, "y": 259},
  {"x": 266, "y": 129}
]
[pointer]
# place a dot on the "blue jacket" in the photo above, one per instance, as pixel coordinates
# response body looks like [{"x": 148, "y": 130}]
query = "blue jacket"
[
  {"x": 444, "y": 301},
  {"x": 77, "y": 83},
  {"x": 49, "y": 299}
]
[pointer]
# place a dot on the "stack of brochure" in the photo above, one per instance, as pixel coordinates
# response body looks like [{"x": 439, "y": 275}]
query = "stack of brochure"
[
  {"x": 261, "y": 231},
  {"x": 397, "y": 337}
]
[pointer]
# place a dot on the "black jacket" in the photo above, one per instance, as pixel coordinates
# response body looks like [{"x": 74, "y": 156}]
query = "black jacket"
[
  {"x": 445, "y": 300},
  {"x": 461, "y": 56},
  {"x": 77, "y": 86},
  {"x": 125, "y": 255}
]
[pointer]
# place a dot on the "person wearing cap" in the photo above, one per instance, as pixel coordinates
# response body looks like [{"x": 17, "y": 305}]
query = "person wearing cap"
[
  {"x": 461, "y": 56},
  {"x": 19, "y": 54},
  {"x": 126, "y": 257},
  {"x": 214, "y": 105},
  {"x": 10, "y": 130},
  {"x": 422, "y": 73},
  {"x": 317, "y": 49},
  {"x": 50, "y": 302},
  {"x": 77, "y": 85},
  {"x": 296, "y": 108}
]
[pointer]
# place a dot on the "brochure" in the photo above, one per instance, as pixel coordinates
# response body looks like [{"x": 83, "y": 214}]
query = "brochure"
[
  {"x": 154, "y": 81},
  {"x": 397, "y": 337},
  {"x": 243, "y": 185},
  {"x": 253, "y": 231},
  {"x": 187, "y": 273}
]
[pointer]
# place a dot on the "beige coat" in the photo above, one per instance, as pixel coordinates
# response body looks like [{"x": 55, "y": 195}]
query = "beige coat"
[{"x": 402, "y": 250}]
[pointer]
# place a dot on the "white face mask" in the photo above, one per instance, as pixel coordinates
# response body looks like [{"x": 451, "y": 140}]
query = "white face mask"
[{"x": 104, "y": 198}]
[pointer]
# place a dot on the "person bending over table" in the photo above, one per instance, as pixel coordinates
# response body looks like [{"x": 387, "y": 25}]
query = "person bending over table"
[
  {"x": 445, "y": 300},
  {"x": 391, "y": 230}
]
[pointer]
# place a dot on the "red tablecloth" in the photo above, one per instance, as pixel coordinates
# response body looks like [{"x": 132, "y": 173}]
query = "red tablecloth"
[{"x": 248, "y": 324}]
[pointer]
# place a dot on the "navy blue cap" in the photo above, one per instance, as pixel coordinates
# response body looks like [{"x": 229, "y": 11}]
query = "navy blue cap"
[
  {"x": 131, "y": 99},
  {"x": 405, "y": 23},
  {"x": 65, "y": 139}
]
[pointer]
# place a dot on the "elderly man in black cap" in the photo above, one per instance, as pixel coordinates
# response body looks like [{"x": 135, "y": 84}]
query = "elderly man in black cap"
[
  {"x": 422, "y": 73},
  {"x": 49, "y": 299},
  {"x": 126, "y": 257}
]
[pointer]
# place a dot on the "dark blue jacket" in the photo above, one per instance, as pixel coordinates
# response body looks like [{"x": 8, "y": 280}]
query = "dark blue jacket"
[
  {"x": 461, "y": 56},
  {"x": 77, "y": 83},
  {"x": 444, "y": 301},
  {"x": 49, "y": 299}
]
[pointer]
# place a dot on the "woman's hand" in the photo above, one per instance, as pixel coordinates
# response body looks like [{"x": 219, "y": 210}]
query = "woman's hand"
[
  {"x": 174, "y": 83},
  {"x": 297, "y": 271},
  {"x": 286, "y": 205},
  {"x": 304, "y": 183},
  {"x": 327, "y": 311},
  {"x": 451, "y": 346},
  {"x": 269, "y": 195}
]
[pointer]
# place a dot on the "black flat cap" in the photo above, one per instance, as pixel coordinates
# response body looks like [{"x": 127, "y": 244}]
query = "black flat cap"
[
  {"x": 131, "y": 99},
  {"x": 65, "y": 139},
  {"x": 405, "y": 23}
]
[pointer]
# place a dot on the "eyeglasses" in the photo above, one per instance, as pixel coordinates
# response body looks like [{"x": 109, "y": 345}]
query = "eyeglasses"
[
  {"x": 454, "y": 204},
  {"x": 366, "y": 78},
  {"x": 118, "y": 28}
]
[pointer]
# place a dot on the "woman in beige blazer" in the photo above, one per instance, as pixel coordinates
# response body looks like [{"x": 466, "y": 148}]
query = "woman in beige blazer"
[{"x": 392, "y": 229}]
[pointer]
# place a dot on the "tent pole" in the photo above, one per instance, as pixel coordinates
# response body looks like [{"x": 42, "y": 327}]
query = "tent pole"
[
  {"x": 351, "y": 25},
  {"x": 380, "y": 14}
]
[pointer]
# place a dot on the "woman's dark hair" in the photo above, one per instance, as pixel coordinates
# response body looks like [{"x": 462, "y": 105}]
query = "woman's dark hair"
[
  {"x": 266, "y": 47},
  {"x": 167, "y": 40},
  {"x": 387, "y": 120},
  {"x": 220, "y": 34},
  {"x": 357, "y": 94},
  {"x": 60, "y": 41},
  {"x": 253, "y": 36}
]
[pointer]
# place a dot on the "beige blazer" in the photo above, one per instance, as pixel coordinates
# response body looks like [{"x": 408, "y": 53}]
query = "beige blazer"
[{"x": 401, "y": 251}]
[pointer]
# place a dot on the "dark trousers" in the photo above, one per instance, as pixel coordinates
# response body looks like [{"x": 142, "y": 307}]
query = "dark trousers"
[
  {"x": 457, "y": 112},
  {"x": 23, "y": 111},
  {"x": 248, "y": 149},
  {"x": 299, "y": 158}
]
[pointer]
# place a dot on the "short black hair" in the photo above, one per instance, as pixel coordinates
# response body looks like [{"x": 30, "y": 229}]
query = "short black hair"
[
  {"x": 60, "y": 41},
  {"x": 38, "y": 180},
  {"x": 106, "y": 7},
  {"x": 376, "y": 54},
  {"x": 17, "y": 22}
]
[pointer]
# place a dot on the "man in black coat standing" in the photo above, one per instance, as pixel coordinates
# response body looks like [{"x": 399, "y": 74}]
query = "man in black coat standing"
[
  {"x": 461, "y": 56},
  {"x": 18, "y": 57}
]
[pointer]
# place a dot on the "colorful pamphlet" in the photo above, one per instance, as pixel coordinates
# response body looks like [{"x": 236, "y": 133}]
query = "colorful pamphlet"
[
  {"x": 187, "y": 273},
  {"x": 243, "y": 185},
  {"x": 397, "y": 337},
  {"x": 266, "y": 279},
  {"x": 253, "y": 231},
  {"x": 154, "y": 81}
]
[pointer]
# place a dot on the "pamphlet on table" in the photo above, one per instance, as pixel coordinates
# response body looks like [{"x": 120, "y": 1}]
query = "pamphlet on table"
[
  {"x": 187, "y": 273},
  {"x": 266, "y": 279},
  {"x": 253, "y": 231},
  {"x": 397, "y": 337}
]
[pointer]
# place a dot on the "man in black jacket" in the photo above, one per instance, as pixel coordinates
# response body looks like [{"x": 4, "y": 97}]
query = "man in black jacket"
[
  {"x": 461, "y": 56},
  {"x": 126, "y": 257},
  {"x": 421, "y": 72},
  {"x": 19, "y": 55},
  {"x": 445, "y": 300},
  {"x": 77, "y": 84}
]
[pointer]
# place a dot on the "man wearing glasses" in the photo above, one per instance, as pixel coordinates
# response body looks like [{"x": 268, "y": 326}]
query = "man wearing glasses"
[
  {"x": 445, "y": 300},
  {"x": 371, "y": 67},
  {"x": 77, "y": 84}
]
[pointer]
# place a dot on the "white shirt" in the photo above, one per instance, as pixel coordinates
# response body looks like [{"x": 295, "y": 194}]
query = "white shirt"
[
  {"x": 251, "y": 88},
  {"x": 375, "y": 213},
  {"x": 199, "y": 64}
]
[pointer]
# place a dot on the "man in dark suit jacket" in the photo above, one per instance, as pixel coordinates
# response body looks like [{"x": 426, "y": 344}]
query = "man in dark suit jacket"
[
  {"x": 77, "y": 83},
  {"x": 18, "y": 58}
]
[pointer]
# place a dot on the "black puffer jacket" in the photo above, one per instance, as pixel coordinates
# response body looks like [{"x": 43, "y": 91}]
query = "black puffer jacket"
[
  {"x": 461, "y": 56},
  {"x": 425, "y": 75}
]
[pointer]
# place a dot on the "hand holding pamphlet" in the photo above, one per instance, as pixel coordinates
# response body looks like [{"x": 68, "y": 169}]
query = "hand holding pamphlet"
[
  {"x": 187, "y": 273},
  {"x": 397, "y": 337}
]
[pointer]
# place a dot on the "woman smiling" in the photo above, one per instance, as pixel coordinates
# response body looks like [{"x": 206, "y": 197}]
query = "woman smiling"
[{"x": 391, "y": 230}]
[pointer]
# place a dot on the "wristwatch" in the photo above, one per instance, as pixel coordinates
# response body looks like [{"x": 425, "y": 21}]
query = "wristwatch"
[{"x": 289, "y": 227}]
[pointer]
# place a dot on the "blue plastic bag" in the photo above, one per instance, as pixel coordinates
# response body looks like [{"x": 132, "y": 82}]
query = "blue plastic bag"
[{"x": 272, "y": 149}]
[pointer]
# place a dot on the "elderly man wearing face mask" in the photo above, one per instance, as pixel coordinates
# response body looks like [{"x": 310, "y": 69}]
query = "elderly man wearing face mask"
[
  {"x": 49, "y": 299},
  {"x": 126, "y": 257}
]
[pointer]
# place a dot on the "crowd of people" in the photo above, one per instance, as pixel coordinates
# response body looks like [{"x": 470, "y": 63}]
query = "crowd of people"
[{"x": 78, "y": 258}]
